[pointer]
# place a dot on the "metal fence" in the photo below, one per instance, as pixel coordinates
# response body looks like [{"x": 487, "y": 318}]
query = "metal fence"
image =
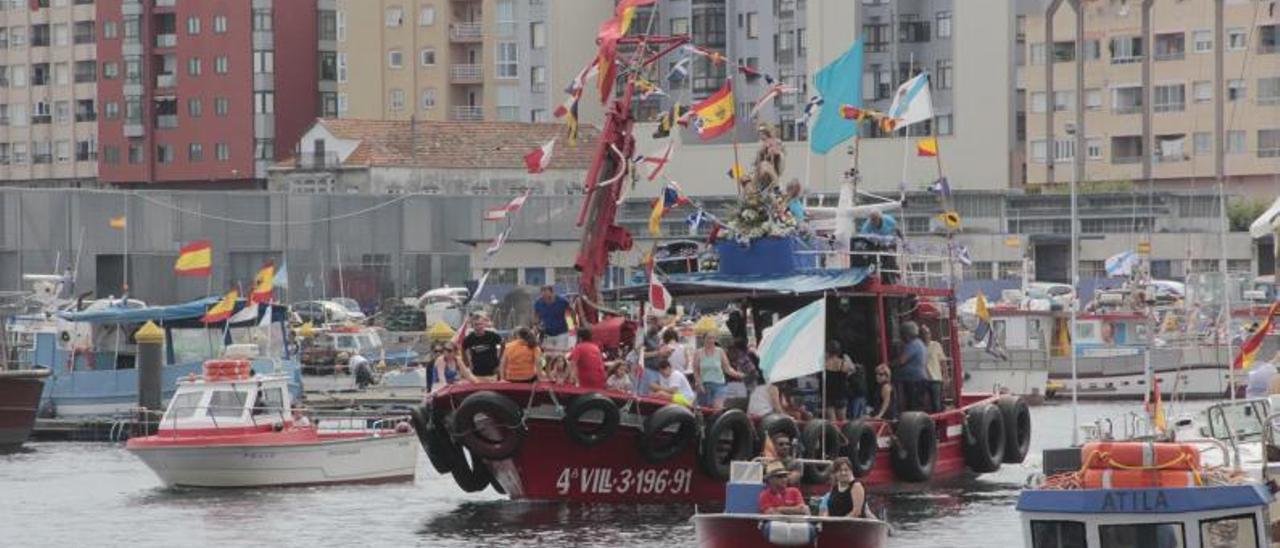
[{"x": 366, "y": 247}]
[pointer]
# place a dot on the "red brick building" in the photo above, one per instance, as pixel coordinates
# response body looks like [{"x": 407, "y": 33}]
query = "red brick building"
[{"x": 202, "y": 93}]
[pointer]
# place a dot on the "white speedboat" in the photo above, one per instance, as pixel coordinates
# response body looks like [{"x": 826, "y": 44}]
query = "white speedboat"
[{"x": 231, "y": 429}]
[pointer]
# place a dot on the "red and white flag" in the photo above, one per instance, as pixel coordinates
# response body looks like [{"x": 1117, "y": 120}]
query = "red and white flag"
[
  {"x": 659, "y": 297},
  {"x": 538, "y": 160},
  {"x": 770, "y": 94},
  {"x": 657, "y": 162},
  {"x": 512, "y": 207}
]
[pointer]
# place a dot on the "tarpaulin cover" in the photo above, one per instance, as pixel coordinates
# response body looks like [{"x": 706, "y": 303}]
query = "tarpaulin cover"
[{"x": 188, "y": 311}]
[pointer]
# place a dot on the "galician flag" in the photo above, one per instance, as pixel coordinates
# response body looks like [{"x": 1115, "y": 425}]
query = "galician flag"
[
  {"x": 912, "y": 103},
  {"x": 793, "y": 347},
  {"x": 538, "y": 160}
]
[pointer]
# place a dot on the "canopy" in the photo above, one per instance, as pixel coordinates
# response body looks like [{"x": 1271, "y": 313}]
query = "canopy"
[
  {"x": 189, "y": 311},
  {"x": 1262, "y": 226},
  {"x": 795, "y": 283}
]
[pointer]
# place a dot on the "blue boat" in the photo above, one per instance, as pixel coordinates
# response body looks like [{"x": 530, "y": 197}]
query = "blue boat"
[{"x": 91, "y": 353}]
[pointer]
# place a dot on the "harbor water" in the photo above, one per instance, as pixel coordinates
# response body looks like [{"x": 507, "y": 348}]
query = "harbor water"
[{"x": 85, "y": 494}]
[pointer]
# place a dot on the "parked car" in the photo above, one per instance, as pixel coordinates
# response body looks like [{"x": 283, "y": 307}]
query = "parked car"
[
  {"x": 351, "y": 306},
  {"x": 320, "y": 352},
  {"x": 445, "y": 304},
  {"x": 321, "y": 313}
]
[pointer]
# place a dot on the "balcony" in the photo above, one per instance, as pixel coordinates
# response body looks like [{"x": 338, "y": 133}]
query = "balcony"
[
  {"x": 166, "y": 80},
  {"x": 467, "y": 114},
  {"x": 466, "y": 74},
  {"x": 166, "y": 40},
  {"x": 86, "y": 116},
  {"x": 466, "y": 32},
  {"x": 166, "y": 121},
  {"x": 316, "y": 160},
  {"x": 166, "y": 3}
]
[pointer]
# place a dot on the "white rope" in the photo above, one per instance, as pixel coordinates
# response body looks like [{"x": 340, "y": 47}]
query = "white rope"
[{"x": 251, "y": 222}]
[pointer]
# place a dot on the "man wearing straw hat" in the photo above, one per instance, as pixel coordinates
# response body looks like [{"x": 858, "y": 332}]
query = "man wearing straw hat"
[{"x": 778, "y": 496}]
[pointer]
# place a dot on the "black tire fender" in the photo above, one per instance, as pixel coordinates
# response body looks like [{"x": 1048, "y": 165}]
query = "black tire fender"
[
  {"x": 656, "y": 444},
  {"x": 741, "y": 443},
  {"x": 471, "y": 476},
  {"x": 816, "y": 432},
  {"x": 984, "y": 440},
  {"x": 590, "y": 434},
  {"x": 915, "y": 447},
  {"x": 775, "y": 423},
  {"x": 503, "y": 415},
  {"x": 862, "y": 446},
  {"x": 1017, "y": 428},
  {"x": 435, "y": 440}
]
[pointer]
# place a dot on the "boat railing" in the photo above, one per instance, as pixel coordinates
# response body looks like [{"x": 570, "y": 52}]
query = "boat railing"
[
  {"x": 1227, "y": 454},
  {"x": 909, "y": 268},
  {"x": 356, "y": 421}
]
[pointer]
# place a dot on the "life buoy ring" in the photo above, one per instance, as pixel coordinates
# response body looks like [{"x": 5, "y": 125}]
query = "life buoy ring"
[
  {"x": 984, "y": 440},
  {"x": 915, "y": 447},
  {"x": 1017, "y": 428},
  {"x": 499, "y": 434},
  {"x": 656, "y": 443},
  {"x": 821, "y": 441},
  {"x": 741, "y": 443},
  {"x": 862, "y": 446},
  {"x": 773, "y": 424},
  {"x": 435, "y": 440},
  {"x": 591, "y": 433}
]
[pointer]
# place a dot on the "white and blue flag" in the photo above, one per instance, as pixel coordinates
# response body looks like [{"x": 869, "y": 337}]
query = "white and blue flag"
[
  {"x": 1121, "y": 264},
  {"x": 912, "y": 103},
  {"x": 793, "y": 347}
]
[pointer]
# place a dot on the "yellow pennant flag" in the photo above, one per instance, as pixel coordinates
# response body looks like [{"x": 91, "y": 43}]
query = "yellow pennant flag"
[
  {"x": 655, "y": 218},
  {"x": 950, "y": 219},
  {"x": 118, "y": 222}
]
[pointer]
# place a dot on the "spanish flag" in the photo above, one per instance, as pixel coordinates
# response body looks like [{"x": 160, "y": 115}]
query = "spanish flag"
[
  {"x": 626, "y": 13},
  {"x": 1249, "y": 350},
  {"x": 194, "y": 259},
  {"x": 222, "y": 310},
  {"x": 264, "y": 283},
  {"x": 715, "y": 113},
  {"x": 117, "y": 223},
  {"x": 927, "y": 147}
]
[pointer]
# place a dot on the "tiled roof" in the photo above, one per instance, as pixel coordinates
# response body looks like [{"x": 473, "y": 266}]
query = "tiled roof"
[{"x": 459, "y": 145}]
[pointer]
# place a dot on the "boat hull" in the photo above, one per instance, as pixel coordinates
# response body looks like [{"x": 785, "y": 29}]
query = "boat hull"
[
  {"x": 19, "y": 401},
  {"x": 365, "y": 459},
  {"x": 746, "y": 531},
  {"x": 1194, "y": 382},
  {"x": 552, "y": 466}
]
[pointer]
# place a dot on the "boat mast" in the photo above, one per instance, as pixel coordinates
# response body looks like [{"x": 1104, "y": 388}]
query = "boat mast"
[{"x": 1075, "y": 291}]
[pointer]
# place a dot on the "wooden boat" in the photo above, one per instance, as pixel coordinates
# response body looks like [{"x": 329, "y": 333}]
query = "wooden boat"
[{"x": 19, "y": 401}]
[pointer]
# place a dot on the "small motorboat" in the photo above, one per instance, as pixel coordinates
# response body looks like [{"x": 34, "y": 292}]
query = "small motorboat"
[
  {"x": 742, "y": 525},
  {"x": 19, "y": 399},
  {"x": 1145, "y": 493},
  {"x": 230, "y": 428}
]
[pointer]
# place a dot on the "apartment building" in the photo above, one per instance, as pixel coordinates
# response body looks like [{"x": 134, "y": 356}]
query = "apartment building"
[
  {"x": 48, "y": 92},
  {"x": 200, "y": 94},
  {"x": 458, "y": 60},
  {"x": 1148, "y": 104}
]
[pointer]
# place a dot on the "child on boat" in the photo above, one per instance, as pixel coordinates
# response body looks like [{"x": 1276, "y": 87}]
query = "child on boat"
[{"x": 620, "y": 377}]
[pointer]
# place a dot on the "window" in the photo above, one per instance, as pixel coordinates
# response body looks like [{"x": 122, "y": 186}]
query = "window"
[
  {"x": 1126, "y": 149},
  {"x": 342, "y": 68},
  {"x": 83, "y": 32},
  {"x": 110, "y": 30},
  {"x": 1093, "y": 99},
  {"x": 264, "y": 149},
  {"x": 538, "y": 115},
  {"x": 1269, "y": 143},
  {"x": 1267, "y": 39},
  {"x": 508, "y": 60},
  {"x": 943, "y": 74},
  {"x": 221, "y": 106},
  {"x": 508, "y": 104},
  {"x": 1236, "y": 90},
  {"x": 1202, "y": 91},
  {"x": 1039, "y": 101},
  {"x": 395, "y": 16},
  {"x": 220, "y": 24},
  {"x": 86, "y": 72},
  {"x": 1093, "y": 148},
  {"x": 395, "y": 59},
  {"x": 1229, "y": 532},
  {"x": 537, "y": 35},
  {"x": 1202, "y": 41},
  {"x": 1203, "y": 142},
  {"x": 262, "y": 20},
  {"x": 61, "y": 74},
  {"x": 944, "y": 24},
  {"x": 193, "y": 66},
  {"x": 1037, "y": 54},
  {"x": 195, "y": 152},
  {"x": 264, "y": 102},
  {"x": 427, "y": 16},
  {"x": 1126, "y": 100},
  {"x": 264, "y": 62},
  {"x": 1269, "y": 90},
  {"x": 328, "y": 23},
  {"x": 1170, "y": 46},
  {"x": 538, "y": 79},
  {"x": 505, "y": 17},
  {"x": 110, "y": 71},
  {"x": 944, "y": 124},
  {"x": 1064, "y": 101},
  {"x": 340, "y": 22},
  {"x": 428, "y": 100},
  {"x": 1038, "y": 151},
  {"x": 111, "y": 109},
  {"x": 753, "y": 25},
  {"x": 1235, "y": 141},
  {"x": 397, "y": 100},
  {"x": 164, "y": 154},
  {"x": 679, "y": 25},
  {"x": 1237, "y": 39},
  {"x": 193, "y": 25},
  {"x": 62, "y": 112},
  {"x": 1141, "y": 534},
  {"x": 1127, "y": 49},
  {"x": 1064, "y": 52},
  {"x": 222, "y": 151},
  {"x": 136, "y": 154},
  {"x": 62, "y": 151},
  {"x": 1169, "y": 98},
  {"x": 41, "y": 152},
  {"x": 1171, "y": 148},
  {"x": 220, "y": 64},
  {"x": 428, "y": 57},
  {"x": 195, "y": 108},
  {"x": 227, "y": 403},
  {"x": 342, "y": 102},
  {"x": 1057, "y": 534}
]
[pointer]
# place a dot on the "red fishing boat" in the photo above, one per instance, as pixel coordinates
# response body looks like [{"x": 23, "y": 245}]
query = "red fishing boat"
[{"x": 19, "y": 400}]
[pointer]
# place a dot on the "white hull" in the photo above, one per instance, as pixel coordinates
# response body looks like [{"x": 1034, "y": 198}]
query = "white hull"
[
  {"x": 1202, "y": 382},
  {"x": 353, "y": 460},
  {"x": 1019, "y": 382}
]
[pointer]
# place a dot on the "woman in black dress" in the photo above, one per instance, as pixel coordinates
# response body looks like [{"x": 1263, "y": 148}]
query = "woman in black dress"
[{"x": 835, "y": 380}]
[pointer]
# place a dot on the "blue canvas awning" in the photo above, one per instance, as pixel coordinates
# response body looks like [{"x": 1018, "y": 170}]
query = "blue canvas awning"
[
  {"x": 794, "y": 283},
  {"x": 184, "y": 312}
]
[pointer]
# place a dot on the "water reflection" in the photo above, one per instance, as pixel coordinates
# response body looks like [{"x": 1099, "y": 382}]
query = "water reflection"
[{"x": 565, "y": 524}]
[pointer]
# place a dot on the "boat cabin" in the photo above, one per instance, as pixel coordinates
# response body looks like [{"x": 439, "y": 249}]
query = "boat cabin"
[
  {"x": 1228, "y": 516},
  {"x": 229, "y": 394}
]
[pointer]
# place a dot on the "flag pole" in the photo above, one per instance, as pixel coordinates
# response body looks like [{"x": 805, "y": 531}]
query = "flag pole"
[
  {"x": 125, "y": 231},
  {"x": 906, "y": 137},
  {"x": 737, "y": 183}
]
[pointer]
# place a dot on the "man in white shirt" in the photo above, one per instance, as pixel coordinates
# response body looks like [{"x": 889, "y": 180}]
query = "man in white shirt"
[{"x": 673, "y": 385}]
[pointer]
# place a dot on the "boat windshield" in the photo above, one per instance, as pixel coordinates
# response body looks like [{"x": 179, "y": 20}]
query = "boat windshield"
[{"x": 1239, "y": 420}]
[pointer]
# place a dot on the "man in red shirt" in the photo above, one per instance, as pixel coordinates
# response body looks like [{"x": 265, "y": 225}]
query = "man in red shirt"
[
  {"x": 587, "y": 362},
  {"x": 777, "y": 497}
]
